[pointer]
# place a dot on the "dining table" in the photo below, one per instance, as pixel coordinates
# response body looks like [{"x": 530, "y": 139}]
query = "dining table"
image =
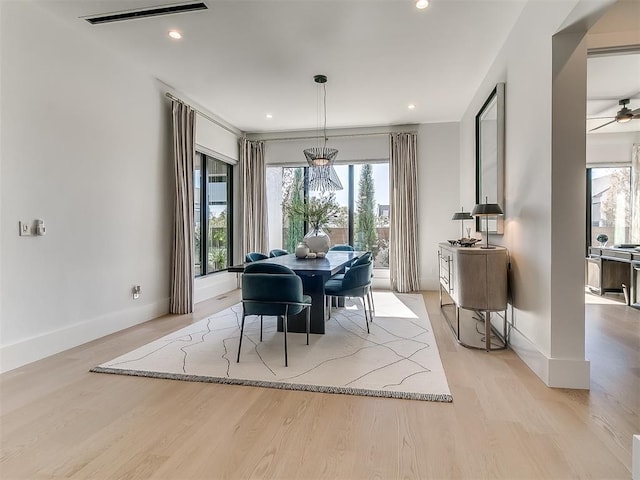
[{"x": 314, "y": 273}]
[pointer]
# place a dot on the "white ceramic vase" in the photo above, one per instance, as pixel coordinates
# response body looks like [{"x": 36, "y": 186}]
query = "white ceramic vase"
[
  {"x": 302, "y": 250},
  {"x": 317, "y": 241}
]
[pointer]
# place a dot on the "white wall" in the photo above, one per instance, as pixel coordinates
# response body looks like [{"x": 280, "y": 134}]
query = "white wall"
[
  {"x": 611, "y": 147},
  {"x": 370, "y": 146},
  {"x": 214, "y": 140},
  {"x": 85, "y": 145},
  {"x": 548, "y": 330},
  {"x": 439, "y": 194}
]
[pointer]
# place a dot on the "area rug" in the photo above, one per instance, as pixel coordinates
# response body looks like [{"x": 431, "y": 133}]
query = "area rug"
[{"x": 398, "y": 359}]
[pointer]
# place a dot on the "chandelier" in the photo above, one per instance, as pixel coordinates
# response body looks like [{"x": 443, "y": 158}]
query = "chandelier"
[
  {"x": 324, "y": 179},
  {"x": 321, "y": 156}
]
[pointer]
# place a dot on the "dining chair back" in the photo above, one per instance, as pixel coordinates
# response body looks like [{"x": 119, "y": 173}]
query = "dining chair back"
[
  {"x": 355, "y": 283},
  {"x": 276, "y": 252},
  {"x": 254, "y": 257},
  {"x": 272, "y": 290},
  {"x": 341, "y": 248},
  {"x": 362, "y": 259}
]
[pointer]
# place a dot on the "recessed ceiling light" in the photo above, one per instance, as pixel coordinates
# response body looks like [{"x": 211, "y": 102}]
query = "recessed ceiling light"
[
  {"x": 411, "y": 106},
  {"x": 175, "y": 34},
  {"x": 269, "y": 116},
  {"x": 422, "y": 4}
]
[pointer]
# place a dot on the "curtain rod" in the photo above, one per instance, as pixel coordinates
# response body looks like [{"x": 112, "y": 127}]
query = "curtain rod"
[
  {"x": 280, "y": 139},
  {"x": 202, "y": 114}
]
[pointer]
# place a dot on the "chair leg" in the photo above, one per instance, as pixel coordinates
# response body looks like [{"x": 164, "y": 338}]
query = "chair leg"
[
  {"x": 373, "y": 305},
  {"x": 260, "y": 327},
  {"x": 372, "y": 309},
  {"x": 308, "y": 323},
  {"x": 241, "y": 334},
  {"x": 284, "y": 325},
  {"x": 364, "y": 307}
]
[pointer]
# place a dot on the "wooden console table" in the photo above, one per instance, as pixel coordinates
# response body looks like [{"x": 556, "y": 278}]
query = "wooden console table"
[
  {"x": 614, "y": 269},
  {"x": 476, "y": 279}
]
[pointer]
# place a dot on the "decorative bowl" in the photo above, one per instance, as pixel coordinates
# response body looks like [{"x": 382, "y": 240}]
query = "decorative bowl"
[
  {"x": 468, "y": 242},
  {"x": 453, "y": 242}
]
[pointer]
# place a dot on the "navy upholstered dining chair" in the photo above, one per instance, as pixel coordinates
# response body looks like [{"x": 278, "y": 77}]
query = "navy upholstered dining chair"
[
  {"x": 341, "y": 248},
  {"x": 254, "y": 257},
  {"x": 276, "y": 252},
  {"x": 355, "y": 283},
  {"x": 272, "y": 290}
]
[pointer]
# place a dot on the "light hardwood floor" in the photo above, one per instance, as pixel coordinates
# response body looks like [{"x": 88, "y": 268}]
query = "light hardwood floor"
[{"x": 60, "y": 421}]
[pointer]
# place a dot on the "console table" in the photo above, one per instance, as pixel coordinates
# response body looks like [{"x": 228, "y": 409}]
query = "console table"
[
  {"x": 614, "y": 269},
  {"x": 475, "y": 279}
]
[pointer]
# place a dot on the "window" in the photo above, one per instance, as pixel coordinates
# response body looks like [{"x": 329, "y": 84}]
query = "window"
[
  {"x": 363, "y": 217},
  {"x": 609, "y": 209},
  {"x": 212, "y": 214}
]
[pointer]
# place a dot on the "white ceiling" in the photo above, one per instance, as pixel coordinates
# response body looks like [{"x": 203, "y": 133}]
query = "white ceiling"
[
  {"x": 610, "y": 79},
  {"x": 242, "y": 59}
]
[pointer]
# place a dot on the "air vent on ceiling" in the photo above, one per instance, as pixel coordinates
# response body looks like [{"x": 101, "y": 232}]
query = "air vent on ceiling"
[{"x": 147, "y": 12}]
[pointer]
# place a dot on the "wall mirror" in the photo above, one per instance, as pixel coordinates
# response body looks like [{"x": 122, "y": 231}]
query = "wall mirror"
[{"x": 490, "y": 156}]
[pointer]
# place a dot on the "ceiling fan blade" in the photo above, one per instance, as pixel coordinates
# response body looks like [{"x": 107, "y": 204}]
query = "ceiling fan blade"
[
  {"x": 603, "y": 125},
  {"x": 636, "y": 113},
  {"x": 598, "y": 118}
]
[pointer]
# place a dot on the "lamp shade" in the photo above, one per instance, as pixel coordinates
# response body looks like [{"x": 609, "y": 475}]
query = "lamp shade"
[
  {"x": 486, "y": 209},
  {"x": 320, "y": 156},
  {"x": 462, "y": 216}
]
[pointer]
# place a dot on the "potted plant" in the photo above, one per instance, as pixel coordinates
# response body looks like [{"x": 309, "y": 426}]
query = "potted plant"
[{"x": 317, "y": 212}]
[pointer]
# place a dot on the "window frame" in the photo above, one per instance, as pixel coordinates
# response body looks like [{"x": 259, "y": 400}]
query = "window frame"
[
  {"x": 351, "y": 200},
  {"x": 589, "y": 198},
  {"x": 204, "y": 214}
]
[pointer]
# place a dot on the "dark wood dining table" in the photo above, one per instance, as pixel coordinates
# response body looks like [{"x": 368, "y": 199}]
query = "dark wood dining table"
[{"x": 314, "y": 274}]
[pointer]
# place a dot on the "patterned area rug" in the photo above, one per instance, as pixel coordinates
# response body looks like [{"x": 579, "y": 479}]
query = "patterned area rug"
[{"x": 398, "y": 359}]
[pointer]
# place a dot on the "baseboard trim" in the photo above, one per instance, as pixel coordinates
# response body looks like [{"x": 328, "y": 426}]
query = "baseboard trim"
[
  {"x": 41, "y": 346},
  {"x": 554, "y": 372}
]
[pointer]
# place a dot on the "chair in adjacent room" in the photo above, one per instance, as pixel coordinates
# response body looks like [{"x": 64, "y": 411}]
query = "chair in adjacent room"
[
  {"x": 276, "y": 252},
  {"x": 254, "y": 257},
  {"x": 272, "y": 290},
  {"x": 355, "y": 283}
]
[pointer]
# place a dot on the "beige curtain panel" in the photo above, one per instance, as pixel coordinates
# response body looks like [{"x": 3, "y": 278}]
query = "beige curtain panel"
[
  {"x": 403, "y": 235},
  {"x": 254, "y": 195},
  {"x": 635, "y": 193},
  {"x": 183, "y": 151}
]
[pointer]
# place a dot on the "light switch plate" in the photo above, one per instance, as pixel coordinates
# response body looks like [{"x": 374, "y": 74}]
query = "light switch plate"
[{"x": 25, "y": 229}]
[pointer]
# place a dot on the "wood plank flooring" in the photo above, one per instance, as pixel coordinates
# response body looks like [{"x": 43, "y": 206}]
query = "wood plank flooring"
[{"x": 60, "y": 421}]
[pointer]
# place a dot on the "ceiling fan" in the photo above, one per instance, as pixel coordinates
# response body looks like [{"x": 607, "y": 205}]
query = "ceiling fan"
[{"x": 624, "y": 115}]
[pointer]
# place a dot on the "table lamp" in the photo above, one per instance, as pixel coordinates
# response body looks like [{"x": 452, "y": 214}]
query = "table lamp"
[
  {"x": 462, "y": 216},
  {"x": 487, "y": 210}
]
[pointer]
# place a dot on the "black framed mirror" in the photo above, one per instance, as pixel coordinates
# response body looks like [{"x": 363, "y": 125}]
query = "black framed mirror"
[{"x": 490, "y": 142}]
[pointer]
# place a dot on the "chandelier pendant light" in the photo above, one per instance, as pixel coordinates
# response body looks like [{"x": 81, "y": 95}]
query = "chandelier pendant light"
[
  {"x": 324, "y": 179},
  {"x": 321, "y": 156}
]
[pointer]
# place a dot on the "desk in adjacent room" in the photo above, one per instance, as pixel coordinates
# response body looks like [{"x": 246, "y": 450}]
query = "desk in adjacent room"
[{"x": 614, "y": 269}]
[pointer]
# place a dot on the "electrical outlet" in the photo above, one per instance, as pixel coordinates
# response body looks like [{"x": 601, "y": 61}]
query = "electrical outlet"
[
  {"x": 136, "y": 291},
  {"x": 25, "y": 229}
]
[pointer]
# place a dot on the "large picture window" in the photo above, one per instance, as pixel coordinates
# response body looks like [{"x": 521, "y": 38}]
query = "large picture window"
[
  {"x": 363, "y": 216},
  {"x": 212, "y": 214},
  {"x": 609, "y": 208}
]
